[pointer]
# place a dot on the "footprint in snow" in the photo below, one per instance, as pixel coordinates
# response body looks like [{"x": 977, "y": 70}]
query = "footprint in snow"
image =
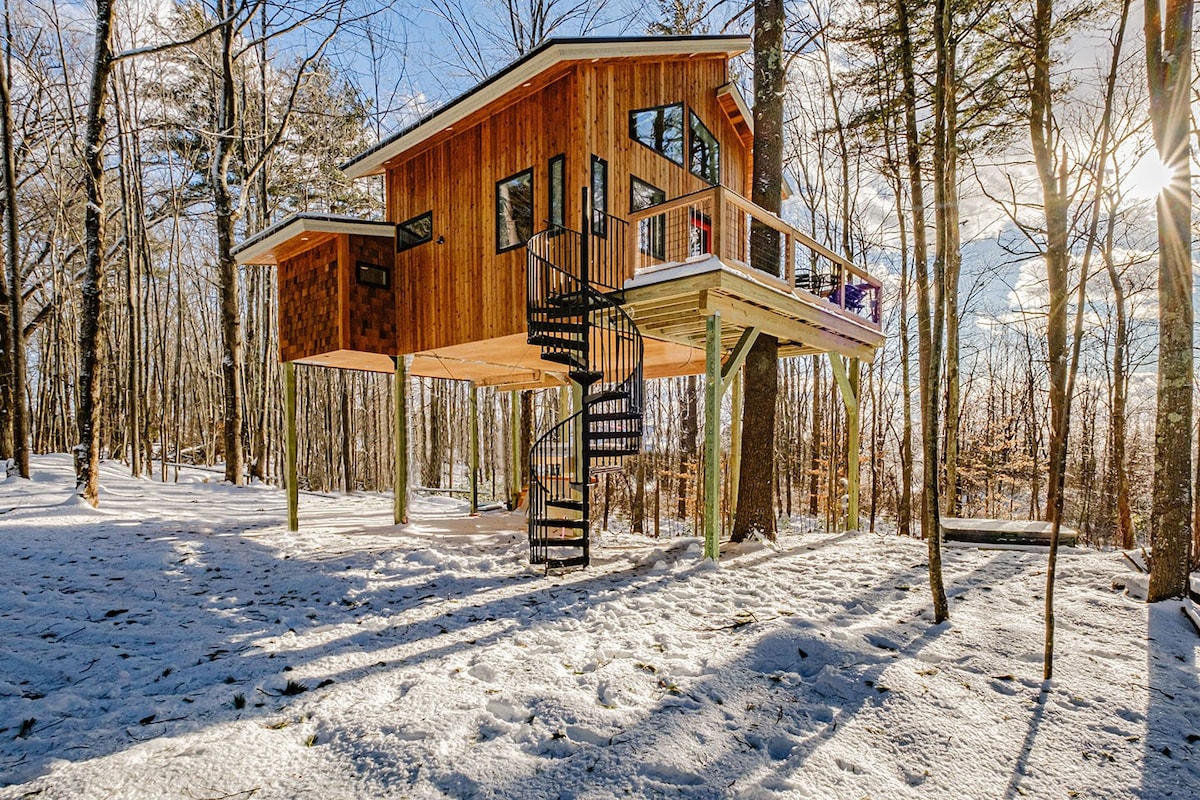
[
  {"x": 668, "y": 774},
  {"x": 508, "y": 712},
  {"x": 482, "y": 672},
  {"x": 848, "y": 766}
]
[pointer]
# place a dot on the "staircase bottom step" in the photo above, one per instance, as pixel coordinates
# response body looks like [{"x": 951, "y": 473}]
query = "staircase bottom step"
[{"x": 561, "y": 563}]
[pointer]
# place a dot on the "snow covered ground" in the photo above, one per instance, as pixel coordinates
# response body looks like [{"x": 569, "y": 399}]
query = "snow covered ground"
[{"x": 178, "y": 642}]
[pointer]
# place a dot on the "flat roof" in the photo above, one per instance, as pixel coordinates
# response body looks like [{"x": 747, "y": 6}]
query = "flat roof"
[
  {"x": 261, "y": 248},
  {"x": 532, "y": 64}
]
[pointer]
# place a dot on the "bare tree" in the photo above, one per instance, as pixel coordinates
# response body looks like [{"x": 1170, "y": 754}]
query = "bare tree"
[
  {"x": 1169, "y": 76},
  {"x": 14, "y": 390}
]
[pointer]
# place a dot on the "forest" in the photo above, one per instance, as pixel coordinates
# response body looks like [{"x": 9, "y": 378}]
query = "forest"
[{"x": 1009, "y": 170}]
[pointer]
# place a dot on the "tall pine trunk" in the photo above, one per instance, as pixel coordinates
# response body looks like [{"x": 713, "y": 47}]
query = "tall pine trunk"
[{"x": 756, "y": 508}]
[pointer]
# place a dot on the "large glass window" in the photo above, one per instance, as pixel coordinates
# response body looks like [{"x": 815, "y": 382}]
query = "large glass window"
[
  {"x": 660, "y": 129},
  {"x": 514, "y": 210},
  {"x": 652, "y": 230},
  {"x": 704, "y": 154},
  {"x": 557, "y": 184},
  {"x": 415, "y": 231},
  {"x": 599, "y": 196}
]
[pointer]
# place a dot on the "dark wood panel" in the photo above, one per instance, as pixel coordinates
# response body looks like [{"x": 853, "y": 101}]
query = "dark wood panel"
[{"x": 308, "y": 302}]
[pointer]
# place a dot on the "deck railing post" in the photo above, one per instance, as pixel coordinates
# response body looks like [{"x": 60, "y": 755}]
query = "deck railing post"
[{"x": 717, "y": 222}]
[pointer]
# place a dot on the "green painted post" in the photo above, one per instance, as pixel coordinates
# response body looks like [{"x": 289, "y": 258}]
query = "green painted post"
[
  {"x": 712, "y": 436},
  {"x": 848, "y": 384},
  {"x": 400, "y": 490},
  {"x": 293, "y": 486},
  {"x": 514, "y": 467},
  {"x": 474, "y": 448}
]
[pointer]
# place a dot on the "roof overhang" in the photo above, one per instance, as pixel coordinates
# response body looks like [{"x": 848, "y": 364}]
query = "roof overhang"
[
  {"x": 729, "y": 97},
  {"x": 267, "y": 246},
  {"x": 525, "y": 70}
]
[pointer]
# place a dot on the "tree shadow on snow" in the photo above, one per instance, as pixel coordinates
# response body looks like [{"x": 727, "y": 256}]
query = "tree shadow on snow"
[{"x": 1171, "y": 768}]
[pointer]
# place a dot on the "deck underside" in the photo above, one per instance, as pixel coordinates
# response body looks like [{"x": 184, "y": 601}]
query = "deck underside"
[{"x": 670, "y": 307}]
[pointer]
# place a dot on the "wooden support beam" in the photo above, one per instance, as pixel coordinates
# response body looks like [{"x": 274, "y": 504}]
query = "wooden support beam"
[
  {"x": 737, "y": 356},
  {"x": 400, "y": 480},
  {"x": 474, "y": 461},
  {"x": 847, "y": 381},
  {"x": 712, "y": 437},
  {"x": 293, "y": 485}
]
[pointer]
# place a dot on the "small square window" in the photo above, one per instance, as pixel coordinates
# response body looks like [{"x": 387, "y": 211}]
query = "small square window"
[
  {"x": 373, "y": 275},
  {"x": 514, "y": 210},
  {"x": 704, "y": 154},
  {"x": 413, "y": 232}
]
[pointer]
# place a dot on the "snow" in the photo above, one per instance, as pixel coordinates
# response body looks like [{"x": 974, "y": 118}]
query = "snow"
[{"x": 430, "y": 661}]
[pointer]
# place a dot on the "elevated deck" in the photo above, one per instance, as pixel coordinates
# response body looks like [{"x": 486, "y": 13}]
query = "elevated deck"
[{"x": 672, "y": 303}]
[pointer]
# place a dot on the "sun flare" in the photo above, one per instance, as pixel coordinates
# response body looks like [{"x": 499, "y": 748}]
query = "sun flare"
[{"x": 1149, "y": 176}]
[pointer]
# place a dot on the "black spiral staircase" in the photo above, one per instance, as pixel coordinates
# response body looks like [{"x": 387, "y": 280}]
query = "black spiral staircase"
[{"x": 575, "y": 316}]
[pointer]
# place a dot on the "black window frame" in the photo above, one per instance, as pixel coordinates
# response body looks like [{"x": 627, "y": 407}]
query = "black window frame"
[
  {"x": 413, "y": 240},
  {"x": 599, "y": 210},
  {"x": 528, "y": 171},
  {"x": 361, "y": 266},
  {"x": 683, "y": 150},
  {"x": 694, "y": 121},
  {"x": 652, "y": 231},
  {"x": 560, "y": 161}
]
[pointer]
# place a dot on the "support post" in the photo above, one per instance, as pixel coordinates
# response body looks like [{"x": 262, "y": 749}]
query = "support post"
[
  {"x": 735, "y": 442},
  {"x": 712, "y": 436},
  {"x": 514, "y": 467},
  {"x": 400, "y": 480},
  {"x": 293, "y": 486},
  {"x": 848, "y": 384},
  {"x": 474, "y": 461}
]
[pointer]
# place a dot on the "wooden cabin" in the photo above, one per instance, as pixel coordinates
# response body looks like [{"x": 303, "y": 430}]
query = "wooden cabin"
[{"x": 642, "y": 148}]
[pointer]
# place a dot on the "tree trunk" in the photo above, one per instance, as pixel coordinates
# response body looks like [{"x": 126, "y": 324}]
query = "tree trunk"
[
  {"x": 928, "y": 329},
  {"x": 814, "y": 464},
  {"x": 1052, "y": 172},
  {"x": 227, "y": 269},
  {"x": 756, "y": 512},
  {"x": 87, "y": 451},
  {"x": 687, "y": 443},
  {"x": 1169, "y": 73},
  {"x": 12, "y": 390}
]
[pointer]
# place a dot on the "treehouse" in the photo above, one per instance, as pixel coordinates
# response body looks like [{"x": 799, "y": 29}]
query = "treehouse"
[{"x": 579, "y": 219}]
